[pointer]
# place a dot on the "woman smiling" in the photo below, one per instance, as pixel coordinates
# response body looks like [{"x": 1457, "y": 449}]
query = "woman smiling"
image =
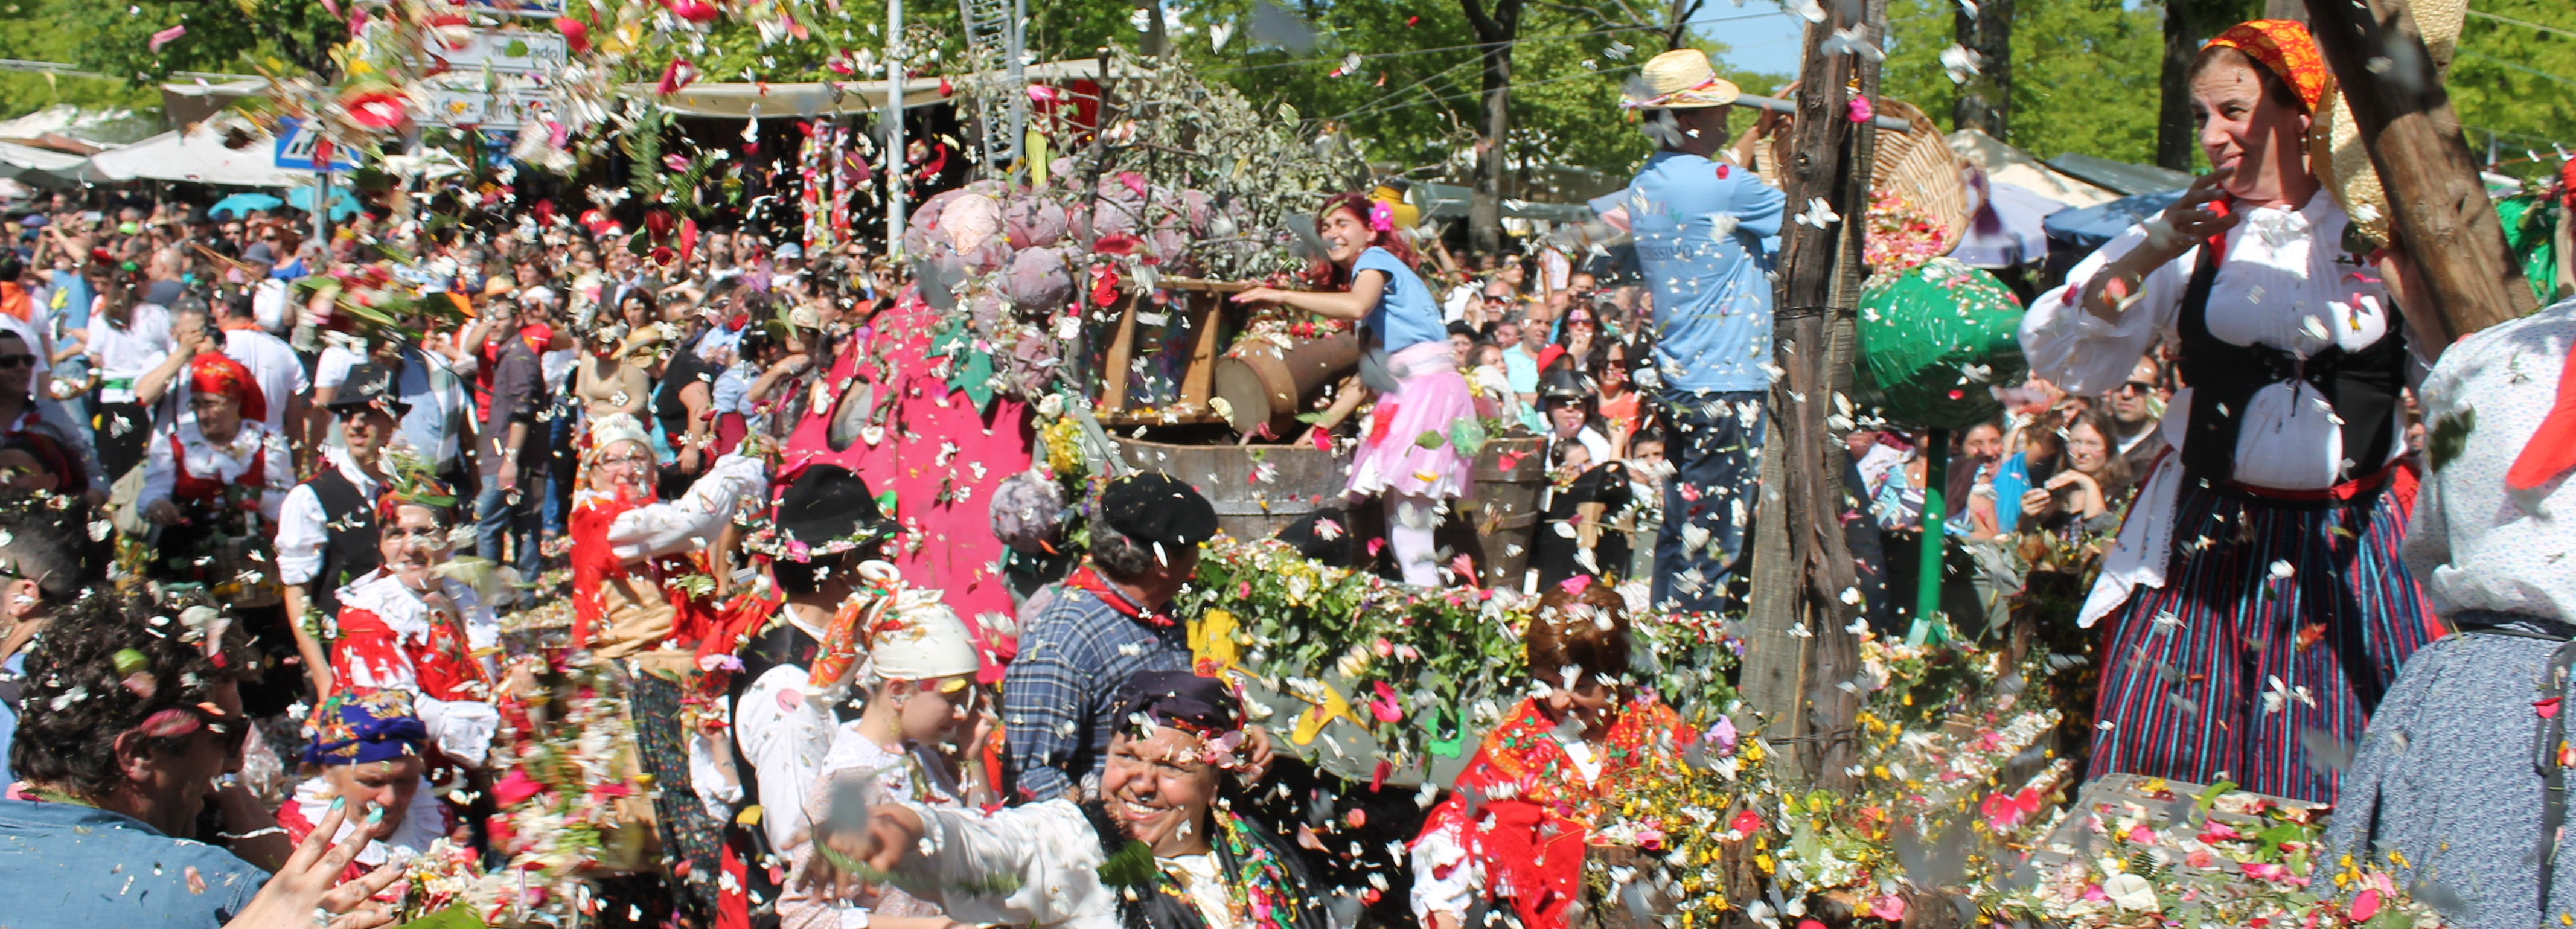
[{"x": 1155, "y": 850}]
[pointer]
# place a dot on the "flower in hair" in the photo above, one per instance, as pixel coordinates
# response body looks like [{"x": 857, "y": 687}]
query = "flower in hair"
[{"x": 1381, "y": 217}]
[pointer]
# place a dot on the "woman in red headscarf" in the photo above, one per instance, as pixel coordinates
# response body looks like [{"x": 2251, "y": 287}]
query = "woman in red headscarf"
[
  {"x": 2255, "y": 599},
  {"x": 213, "y": 483}
]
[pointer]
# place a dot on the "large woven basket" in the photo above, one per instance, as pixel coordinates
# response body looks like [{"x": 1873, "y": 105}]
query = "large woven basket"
[{"x": 1917, "y": 164}]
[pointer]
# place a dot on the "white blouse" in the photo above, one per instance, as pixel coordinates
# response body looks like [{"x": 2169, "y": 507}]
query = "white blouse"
[
  {"x": 2473, "y": 543},
  {"x": 2287, "y": 283}
]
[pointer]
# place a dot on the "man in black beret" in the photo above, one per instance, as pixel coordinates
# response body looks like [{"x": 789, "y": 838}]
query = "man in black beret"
[{"x": 1105, "y": 623}]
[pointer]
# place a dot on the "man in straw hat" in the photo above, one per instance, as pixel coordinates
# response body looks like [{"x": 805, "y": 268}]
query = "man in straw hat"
[{"x": 1705, "y": 232}]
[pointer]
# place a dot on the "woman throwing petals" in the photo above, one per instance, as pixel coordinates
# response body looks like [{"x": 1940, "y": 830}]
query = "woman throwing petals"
[
  {"x": 1400, "y": 323},
  {"x": 2256, "y": 601}
]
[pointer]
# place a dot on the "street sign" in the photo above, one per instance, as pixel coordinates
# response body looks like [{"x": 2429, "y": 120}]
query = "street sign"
[
  {"x": 295, "y": 144},
  {"x": 510, "y": 51},
  {"x": 508, "y": 107}
]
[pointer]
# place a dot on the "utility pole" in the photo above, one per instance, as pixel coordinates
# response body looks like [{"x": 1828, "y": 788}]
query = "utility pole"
[
  {"x": 894, "y": 169},
  {"x": 1821, "y": 167},
  {"x": 1985, "y": 99},
  {"x": 2467, "y": 282}
]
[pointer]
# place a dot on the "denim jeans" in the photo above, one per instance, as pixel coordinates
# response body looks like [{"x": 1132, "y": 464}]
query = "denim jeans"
[
  {"x": 495, "y": 517},
  {"x": 1703, "y": 559}
]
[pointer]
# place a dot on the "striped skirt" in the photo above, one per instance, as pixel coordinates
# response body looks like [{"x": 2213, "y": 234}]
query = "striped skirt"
[{"x": 2278, "y": 629}]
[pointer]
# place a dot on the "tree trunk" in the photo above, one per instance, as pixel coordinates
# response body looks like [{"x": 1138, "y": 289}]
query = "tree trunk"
[
  {"x": 1821, "y": 166},
  {"x": 1158, "y": 37},
  {"x": 1985, "y": 101},
  {"x": 2176, "y": 140},
  {"x": 2468, "y": 282},
  {"x": 1677, "y": 31},
  {"x": 1495, "y": 32}
]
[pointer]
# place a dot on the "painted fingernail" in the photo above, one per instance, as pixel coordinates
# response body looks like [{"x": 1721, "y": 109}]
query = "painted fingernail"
[
  {"x": 375, "y": 816},
  {"x": 338, "y": 802}
]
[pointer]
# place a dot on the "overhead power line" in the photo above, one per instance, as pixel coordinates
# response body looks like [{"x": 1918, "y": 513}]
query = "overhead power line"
[{"x": 2482, "y": 14}]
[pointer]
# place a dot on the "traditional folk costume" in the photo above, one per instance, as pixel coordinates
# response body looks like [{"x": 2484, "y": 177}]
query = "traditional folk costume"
[
  {"x": 326, "y": 529},
  {"x": 1514, "y": 826},
  {"x": 627, "y": 548},
  {"x": 362, "y": 728},
  {"x": 424, "y": 642},
  {"x": 2256, "y": 593},
  {"x": 228, "y": 497},
  {"x": 907, "y": 636},
  {"x": 1065, "y": 864},
  {"x": 790, "y": 692},
  {"x": 2461, "y": 781}
]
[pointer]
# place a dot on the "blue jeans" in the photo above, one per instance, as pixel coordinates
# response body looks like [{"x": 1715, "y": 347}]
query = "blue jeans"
[
  {"x": 1715, "y": 449},
  {"x": 496, "y": 518}
]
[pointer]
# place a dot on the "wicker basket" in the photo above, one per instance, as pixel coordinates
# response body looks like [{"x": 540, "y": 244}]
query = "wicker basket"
[
  {"x": 1916, "y": 164},
  {"x": 1919, "y": 165}
]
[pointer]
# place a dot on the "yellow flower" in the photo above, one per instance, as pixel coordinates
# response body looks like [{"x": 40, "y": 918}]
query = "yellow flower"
[{"x": 1764, "y": 862}]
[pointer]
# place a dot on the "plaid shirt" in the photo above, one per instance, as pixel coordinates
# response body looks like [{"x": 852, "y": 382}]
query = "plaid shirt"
[{"x": 1060, "y": 692}]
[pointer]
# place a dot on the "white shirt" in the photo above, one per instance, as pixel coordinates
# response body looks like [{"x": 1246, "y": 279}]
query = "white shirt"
[
  {"x": 1050, "y": 847},
  {"x": 2474, "y": 544},
  {"x": 130, "y": 352},
  {"x": 302, "y": 529},
  {"x": 268, "y": 305},
  {"x": 273, "y": 365},
  {"x": 219, "y": 462},
  {"x": 785, "y": 732},
  {"x": 2286, "y": 283}
]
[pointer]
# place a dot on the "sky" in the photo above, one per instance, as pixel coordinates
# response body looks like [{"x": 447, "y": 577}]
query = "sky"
[{"x": 1762, "y": 36}]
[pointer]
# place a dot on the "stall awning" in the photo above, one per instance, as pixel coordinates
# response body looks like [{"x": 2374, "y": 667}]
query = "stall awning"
[
  {"x": 2005, "y": 164},
  {"x": 2128, "y": 179},
  {"x": 197, "y": 155}
]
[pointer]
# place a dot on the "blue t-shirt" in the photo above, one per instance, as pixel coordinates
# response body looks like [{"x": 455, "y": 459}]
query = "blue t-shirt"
[
  {"x": 70, "y": 865},
  {"x": 1406, "y": 315},
  {"x": 1712, "y": 293},
  {"x": 70, "y": 301},
  {"x": 2012, "y": 480}
]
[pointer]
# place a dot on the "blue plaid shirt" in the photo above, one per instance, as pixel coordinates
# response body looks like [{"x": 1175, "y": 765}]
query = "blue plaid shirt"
[{"x": 1060, "y": 692}]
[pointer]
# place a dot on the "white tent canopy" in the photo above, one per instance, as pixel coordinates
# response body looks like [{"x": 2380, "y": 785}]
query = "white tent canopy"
[
  {"x": 2005, "y": 164},
  {"x": 198, "y": 155}
]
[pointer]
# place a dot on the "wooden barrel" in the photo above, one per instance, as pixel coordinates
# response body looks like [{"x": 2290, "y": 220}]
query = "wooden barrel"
[
  {"x": 1262, "y": 383},
  {"x": 1505, "y": 510},
  {"x": 1246, "y": 508}
]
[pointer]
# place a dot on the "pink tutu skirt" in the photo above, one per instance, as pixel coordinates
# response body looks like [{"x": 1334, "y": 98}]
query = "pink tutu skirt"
[{"x": 1430, "y": 397}]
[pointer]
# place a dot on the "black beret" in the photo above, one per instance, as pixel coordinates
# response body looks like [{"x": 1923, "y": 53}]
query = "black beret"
[
  {"x": 1157, "y": 507},
  {"x": 1180, "y": 700}
]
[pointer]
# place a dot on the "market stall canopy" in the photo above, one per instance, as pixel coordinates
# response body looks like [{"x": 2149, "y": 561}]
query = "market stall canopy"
[
  {"x": 740, "y": 100},
  {"x": 2128, "y": 179},
  {"x": 2010, "y": 228},
  {"x": 194, "y": 102},
  {"x": 37, "y": 166},
  {"x": 90, "y": 129},
  {"x": 2005, "y": 164},
  {"x": 197, "y": 155}
]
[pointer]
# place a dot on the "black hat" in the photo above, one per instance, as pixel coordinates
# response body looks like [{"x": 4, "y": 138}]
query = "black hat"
[
  {"x": 368, "y": 384},
  {"x": 828, "y": 510},
  {"x": 1159, "y": 508},
  {"x": 1563, "y": 385},
  {"x": 1178, "y": 699}
]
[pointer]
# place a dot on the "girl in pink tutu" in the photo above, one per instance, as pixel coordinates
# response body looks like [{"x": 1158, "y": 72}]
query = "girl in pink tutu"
[{"x": 1420, "y": 392}]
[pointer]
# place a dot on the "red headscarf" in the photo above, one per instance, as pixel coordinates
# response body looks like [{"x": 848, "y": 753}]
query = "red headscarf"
[
  {"x": 2284, "y": 46},
  {"x": 218, "y": 373}
]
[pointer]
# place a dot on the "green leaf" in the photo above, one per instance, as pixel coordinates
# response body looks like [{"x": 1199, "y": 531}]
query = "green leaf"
[
  {"x": 2450, "y": 437},
  {"x": 517, "y": 48},
  {"x": 2209, "y": 797},
  {"x": 1132, "y": 866},
  {"x": 1430, "y": 439}
]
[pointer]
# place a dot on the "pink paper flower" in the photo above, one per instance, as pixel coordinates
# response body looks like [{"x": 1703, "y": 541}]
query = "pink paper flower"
[
  {"x": 2365, "y": 906},
  {"x": 1890, "y": 908},
  {"x": 1862, "y": 111}
]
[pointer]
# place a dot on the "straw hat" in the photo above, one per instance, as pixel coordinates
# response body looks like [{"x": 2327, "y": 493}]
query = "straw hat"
[
  {"x": 1680, "y": 79},
  {"x": 2335, "y": 151}
]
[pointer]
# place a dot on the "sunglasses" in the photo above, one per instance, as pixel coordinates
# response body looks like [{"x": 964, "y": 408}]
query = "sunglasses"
[
  {"x": 8, "y": 362},
  {"x": 2137, "y": 387}
]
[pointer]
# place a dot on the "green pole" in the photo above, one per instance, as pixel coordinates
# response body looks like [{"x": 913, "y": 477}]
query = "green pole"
[{"x": 1927, "y": 582}]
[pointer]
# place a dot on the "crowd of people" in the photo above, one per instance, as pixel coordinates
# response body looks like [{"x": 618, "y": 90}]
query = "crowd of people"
[{"x": 252, "y": 670}]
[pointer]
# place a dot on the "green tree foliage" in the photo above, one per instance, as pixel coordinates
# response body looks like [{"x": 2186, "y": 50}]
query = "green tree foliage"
[
  {"x": 2084, "y": 73},
  {"x": 2518, "y": 82}
]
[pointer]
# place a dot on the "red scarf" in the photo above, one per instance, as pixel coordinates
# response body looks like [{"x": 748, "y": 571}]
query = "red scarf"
[{"x": 1086, "y": 579}]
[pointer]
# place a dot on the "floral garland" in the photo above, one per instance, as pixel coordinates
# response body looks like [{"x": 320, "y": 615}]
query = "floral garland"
[
  {"x": 1419, "y": 670},
  {"x": 1260, "y": 889}
]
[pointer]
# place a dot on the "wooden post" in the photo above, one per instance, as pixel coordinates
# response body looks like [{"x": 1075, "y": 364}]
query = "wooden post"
[
  {"x": 1819, "y": 166},
  {"x": 2467, "y": 282}
]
